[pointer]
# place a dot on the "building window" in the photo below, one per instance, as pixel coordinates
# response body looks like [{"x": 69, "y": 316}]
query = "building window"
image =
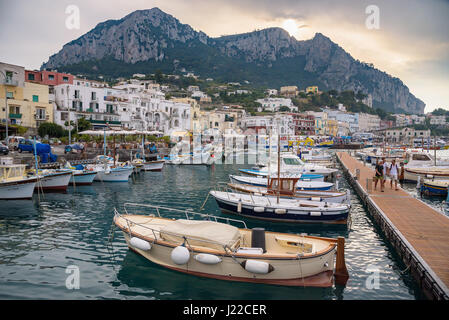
[
  {"x": 35, "y": 98},
  {"x": 10, "y": 95},
  {"x": 40, "y": 114},
  {"x": 51, "y": 77},
  {"x": 31, "y": 76}
]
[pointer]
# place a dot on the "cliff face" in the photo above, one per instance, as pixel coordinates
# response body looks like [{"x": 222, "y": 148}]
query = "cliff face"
[{"x": 152, "y": 38}]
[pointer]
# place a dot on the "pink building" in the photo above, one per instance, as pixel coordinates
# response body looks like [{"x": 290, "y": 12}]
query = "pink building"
[{"x": 50, "y": 78}]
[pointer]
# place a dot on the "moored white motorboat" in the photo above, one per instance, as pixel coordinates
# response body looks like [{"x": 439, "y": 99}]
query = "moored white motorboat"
[
  {"x": 300, "y": 185},
  {"x": 222, "y": 251},
  {"x": 14, "y": 184}
]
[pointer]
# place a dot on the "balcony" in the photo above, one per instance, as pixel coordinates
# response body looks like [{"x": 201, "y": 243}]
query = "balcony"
[
  {"x": 104, "y": 122},
  {"x": 11, "y": 82},
  {"x": 15, "y": 116},
  {"x": 41, "y": 118}
]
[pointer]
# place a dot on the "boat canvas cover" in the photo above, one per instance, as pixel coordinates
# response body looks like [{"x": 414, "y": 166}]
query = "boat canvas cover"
[{"x": 215, "y": 234}]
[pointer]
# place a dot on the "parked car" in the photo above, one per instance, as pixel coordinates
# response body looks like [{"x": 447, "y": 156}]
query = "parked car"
[
  {"x": 4, "y": 149},
  {"x": 26, "y": 145},
  {"x": 13, "y": 142},
  {"x": 75, "y": 147}
]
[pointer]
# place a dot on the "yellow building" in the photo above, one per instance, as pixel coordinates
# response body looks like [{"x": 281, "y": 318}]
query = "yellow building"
[
  {"x": 289, "y": 91},
  {"x": 313, "y": 89},
  {"x": 332, "y": 127},
  {"x": 28, "y": 103}
]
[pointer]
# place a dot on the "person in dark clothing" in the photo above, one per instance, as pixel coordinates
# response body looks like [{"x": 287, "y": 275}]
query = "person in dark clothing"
[{"x": 379, "y": 175}]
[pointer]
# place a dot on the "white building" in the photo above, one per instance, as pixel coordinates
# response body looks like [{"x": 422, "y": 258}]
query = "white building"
[
  {"x": 273, "y": 104},
  {"x": 368, "y": 122},
  {"x": 271, "y": 92},
  {"x": 262, "y": 124},
  {"x": 437, "y": 120},
  {"x": 344, "y": 117}
]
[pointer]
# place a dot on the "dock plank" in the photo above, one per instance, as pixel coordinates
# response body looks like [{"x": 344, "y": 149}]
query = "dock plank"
[{"x": 426, "y": 229}]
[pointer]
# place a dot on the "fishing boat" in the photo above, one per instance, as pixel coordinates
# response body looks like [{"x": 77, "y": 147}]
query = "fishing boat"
[
  {"x": 432, "y": 187},
  {"x": 14, "y": 183},
  {"x": 80, "y": 175},
  {"x": 212, "y": 248},
  {"x": 138, "y": 165},
  {"x": 288, "y": 190},
  {"x": 155, "y": 165},
  {"x": 51, "y": 180},
  {"x": 300, "y": 185},
  {"x": 279, "y": 209},
  {"x": 311, "y": 155},
  {"x": 107, "y": 171}
]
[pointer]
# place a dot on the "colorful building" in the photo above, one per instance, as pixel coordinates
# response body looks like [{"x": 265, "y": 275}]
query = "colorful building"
[
  {"x": 312, "y": 89},
  {"x": 28, "y": 103}
]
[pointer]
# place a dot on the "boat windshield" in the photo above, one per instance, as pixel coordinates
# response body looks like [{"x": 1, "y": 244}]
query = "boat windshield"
[{"x": 292, "y": 161}]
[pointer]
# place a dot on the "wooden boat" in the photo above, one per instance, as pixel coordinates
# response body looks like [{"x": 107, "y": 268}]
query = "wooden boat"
[
  {"x": 281, "y": 210},
  {"x": 14, "y": 184},
  {"x": 434, "y": 187},
  {"x": 300, "y": 185},
  {"x": 213, "y": 249},
  {"x": 288, "y": 190}
]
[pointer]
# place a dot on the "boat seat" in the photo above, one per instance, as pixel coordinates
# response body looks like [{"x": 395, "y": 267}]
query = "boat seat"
[{"x": 294, "y": 243}]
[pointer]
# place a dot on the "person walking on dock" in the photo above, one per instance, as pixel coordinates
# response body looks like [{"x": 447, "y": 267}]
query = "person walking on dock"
[
  {"x": 384, "y": 173},
  {"x": 379, "y": 175},
  {"x": 394, "y": 174}
]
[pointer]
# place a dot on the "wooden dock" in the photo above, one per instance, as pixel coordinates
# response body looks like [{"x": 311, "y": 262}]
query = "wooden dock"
[{"x": 419, "y": 233}]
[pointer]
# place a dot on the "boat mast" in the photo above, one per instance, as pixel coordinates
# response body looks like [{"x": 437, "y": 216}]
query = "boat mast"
[{"x": 279, "y": 162}]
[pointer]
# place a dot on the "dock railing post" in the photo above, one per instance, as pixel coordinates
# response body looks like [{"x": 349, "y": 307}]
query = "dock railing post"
[
  {"x": 369, "y": 185},
  {"x": 357, "y": 174}
]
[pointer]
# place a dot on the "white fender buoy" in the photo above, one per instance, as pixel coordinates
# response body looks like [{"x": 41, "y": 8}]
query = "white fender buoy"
[
  {"x": 255, "y": 266},
  {"x": 180, "y": 255},
  {"x": 140, "y": 244},
  {"x": 207, "y": 258},
  {"x": 259, "y": 209},
  {"x": 315, "y": 213},
  {"x": 280, "y": 211},
  {"x": 239, "y": 206}
]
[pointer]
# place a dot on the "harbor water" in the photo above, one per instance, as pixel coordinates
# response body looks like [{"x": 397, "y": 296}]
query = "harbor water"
[{"x": 42, "y": 239}]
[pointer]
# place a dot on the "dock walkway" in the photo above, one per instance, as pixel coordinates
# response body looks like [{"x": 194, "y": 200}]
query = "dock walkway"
[{"x": 418, "y": 232}]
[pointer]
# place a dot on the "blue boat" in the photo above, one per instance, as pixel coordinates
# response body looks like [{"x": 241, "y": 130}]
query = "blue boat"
[{"x": 434, "y": 187}]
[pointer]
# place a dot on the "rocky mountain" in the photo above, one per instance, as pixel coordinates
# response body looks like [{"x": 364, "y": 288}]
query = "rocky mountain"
[{"x": 147, "y": 40}]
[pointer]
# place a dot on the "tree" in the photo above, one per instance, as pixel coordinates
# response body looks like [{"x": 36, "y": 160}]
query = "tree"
[
  {"x": 84, "y": 124},
  {"x": 284, "y": 109},
  {"x": 51, "y": 129},
  {"x": 158, "y": 76}
]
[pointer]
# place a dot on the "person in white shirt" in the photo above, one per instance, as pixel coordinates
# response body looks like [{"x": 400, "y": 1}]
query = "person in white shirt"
[
  {"x": 385, "y": 172},
  {"x": 394, "y": 174}
]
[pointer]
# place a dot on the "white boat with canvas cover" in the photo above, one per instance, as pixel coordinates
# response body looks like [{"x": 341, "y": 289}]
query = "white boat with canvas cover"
[{"x": 214, "y": 249}]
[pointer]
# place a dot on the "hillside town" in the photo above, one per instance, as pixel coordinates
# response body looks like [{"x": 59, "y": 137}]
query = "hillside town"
[{"x": 36, "y": 97}]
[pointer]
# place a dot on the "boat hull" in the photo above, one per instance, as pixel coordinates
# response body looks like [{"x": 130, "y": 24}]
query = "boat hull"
[
  {"x": 286, "y": 272},
  {"x": 301, "y": 185},
  {"x": 120, "y": 175},
  {"x": 57, "y": 182},
  {"x": 157, "y": 165},
  {"x": 291, "y": 215},
  {"x": 17, "y": 190},
  {"x": 82, "y": 179},
  {"x": 413, "y": 174}
]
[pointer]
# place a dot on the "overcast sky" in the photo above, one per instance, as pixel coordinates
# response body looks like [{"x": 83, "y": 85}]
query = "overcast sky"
[{"x": 412, "y": 42}]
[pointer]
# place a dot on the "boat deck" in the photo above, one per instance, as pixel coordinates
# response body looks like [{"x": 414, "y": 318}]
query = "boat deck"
[{"x": 425, "y": 229}]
